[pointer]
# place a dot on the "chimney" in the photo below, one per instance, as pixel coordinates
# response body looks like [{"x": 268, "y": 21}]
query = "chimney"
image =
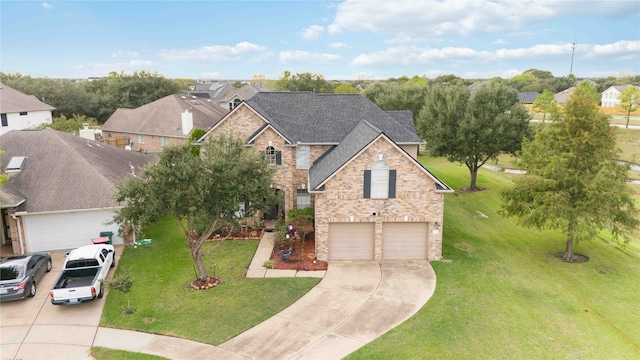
[{"x": 187, "y": 122}]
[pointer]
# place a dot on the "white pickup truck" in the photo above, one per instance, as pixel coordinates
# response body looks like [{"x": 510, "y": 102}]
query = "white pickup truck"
[{"x": 83, "y": 274}]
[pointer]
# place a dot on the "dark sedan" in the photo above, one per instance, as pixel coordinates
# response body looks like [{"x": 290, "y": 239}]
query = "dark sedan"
[{"x": 19, "y": 275}]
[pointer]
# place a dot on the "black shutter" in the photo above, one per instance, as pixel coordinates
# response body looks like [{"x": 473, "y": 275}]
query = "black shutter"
[
  {"x": 263, "y": 155},
  {"x": 392, "y": 184},
  {"x": 278, "y": 157},
  {"x": 367, "y": 184}
]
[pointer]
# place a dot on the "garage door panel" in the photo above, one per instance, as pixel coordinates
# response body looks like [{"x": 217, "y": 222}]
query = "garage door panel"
[
  {"x": 404, "y": 241},
  {"x": 63, "y": 231},
  {"x": 351, "y": 241}
]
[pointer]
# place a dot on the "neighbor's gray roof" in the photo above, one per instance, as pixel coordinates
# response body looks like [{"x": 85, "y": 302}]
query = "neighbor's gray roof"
[
  {"x": 163, "y": 117},
  {"x": 361, "y": 136},
  {"x": 13, "y": 101},
  {"x": 245, "y": 93},
  {"x": 63, "y": 172},
  {"x": 527, "y": 97},
  {"x": 326, "y": 118}
]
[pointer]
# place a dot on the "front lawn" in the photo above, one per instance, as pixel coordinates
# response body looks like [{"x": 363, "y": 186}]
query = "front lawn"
[
  {"x": 505, "y": 296},
  {"x": 165, "y": 304}
]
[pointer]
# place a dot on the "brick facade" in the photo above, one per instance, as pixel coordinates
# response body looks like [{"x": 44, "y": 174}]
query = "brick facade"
[{"x": 416, "y": 198}]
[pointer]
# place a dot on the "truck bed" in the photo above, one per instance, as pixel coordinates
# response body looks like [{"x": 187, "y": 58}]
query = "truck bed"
[{"x": 76, "y": 278}]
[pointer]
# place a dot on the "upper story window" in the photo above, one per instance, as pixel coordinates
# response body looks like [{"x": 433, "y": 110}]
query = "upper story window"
[
  {"x": 380, "y": 182},
  {"x": 140, "y": 139},
  {"x": 234, "y": 104},
  {"x": 23, "y": 113},
  {"x": 163, "y": 140},
  {"x": 274, "y": 157},
  {"x": 5, "y": 122},
  {"x": 302, "y": 156}
]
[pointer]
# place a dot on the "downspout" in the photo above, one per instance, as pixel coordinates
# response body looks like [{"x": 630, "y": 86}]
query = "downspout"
[{"x": 19, "y": 232}]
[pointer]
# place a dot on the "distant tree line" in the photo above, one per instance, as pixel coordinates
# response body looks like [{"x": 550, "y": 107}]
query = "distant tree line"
[{"x": 96, "y": 99}]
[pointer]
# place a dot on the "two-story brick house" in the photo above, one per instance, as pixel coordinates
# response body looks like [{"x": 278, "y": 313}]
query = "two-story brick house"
[{"x": 355, "y": 164}]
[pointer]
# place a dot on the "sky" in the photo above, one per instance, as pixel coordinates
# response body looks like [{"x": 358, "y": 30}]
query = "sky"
[{"x": 342, "y": 40}]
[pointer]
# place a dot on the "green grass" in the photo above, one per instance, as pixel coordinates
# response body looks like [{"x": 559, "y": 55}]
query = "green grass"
[
  {"x": 165, "y": 304},
  {"x": 505, "y": 296},
  {"x": 100, "y": 353}
]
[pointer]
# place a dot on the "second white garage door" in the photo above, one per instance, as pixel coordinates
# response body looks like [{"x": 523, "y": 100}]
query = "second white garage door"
[
  {"x": 351, "y": 241},
  {"x": 407, "y": 241}
]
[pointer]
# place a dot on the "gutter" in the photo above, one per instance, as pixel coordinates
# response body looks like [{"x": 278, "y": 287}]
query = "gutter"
[{"x": 15, "y": 217}]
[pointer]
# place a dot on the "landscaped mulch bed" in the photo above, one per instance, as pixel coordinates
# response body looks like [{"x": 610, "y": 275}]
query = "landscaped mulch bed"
[{"x": 298, "y": 259}]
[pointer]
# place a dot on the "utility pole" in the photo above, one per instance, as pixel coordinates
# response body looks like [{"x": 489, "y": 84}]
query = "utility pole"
[{"x": 573, "y": 50}]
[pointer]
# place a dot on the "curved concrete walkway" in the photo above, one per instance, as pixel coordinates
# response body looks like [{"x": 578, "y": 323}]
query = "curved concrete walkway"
[{"x": 353, "y": 304}]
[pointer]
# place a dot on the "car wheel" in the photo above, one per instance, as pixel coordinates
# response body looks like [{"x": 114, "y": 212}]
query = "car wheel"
[
  {"x": 113, "y": 263},
  {"x": 49, "y": 265},
  {"x": 32, "y": 290},
  {"x": 101, "y": 293}
]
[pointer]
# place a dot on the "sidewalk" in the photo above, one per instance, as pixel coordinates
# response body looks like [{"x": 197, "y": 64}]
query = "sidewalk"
[{"x": 263, "y": 253}]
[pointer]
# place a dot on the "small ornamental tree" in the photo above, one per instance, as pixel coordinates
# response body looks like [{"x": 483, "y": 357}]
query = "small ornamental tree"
[
  {"x": 573, "y": 182},
  {"x": 123, "y": 283},
  {"x": 204, "y": 193},
  {"x": 545, "y": 103},
  {"x": 629, "y": 101}
]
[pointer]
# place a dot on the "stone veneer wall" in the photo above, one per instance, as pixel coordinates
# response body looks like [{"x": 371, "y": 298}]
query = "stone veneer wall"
[{"x": 416, "y": 198}]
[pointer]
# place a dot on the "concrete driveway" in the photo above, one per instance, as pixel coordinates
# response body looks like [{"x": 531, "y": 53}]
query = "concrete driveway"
[
  {"x": 354, "y": 303},
  {"x": 36, "y": 329}
]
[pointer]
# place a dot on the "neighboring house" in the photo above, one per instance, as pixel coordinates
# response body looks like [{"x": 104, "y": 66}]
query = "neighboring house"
[
  {"x": 527, "y": 97},
  {"x": 563, "y": 96},
  {"x": 209, "y": 91},
  {"x": 610, "y": 96},
  {"x": 355, "y": 164},
  {"x": 21, "y": 111},
  {"x": 234, "y": 97},
  {"x": 60, "y": 189},
  {"x": 167, "y": 121}
]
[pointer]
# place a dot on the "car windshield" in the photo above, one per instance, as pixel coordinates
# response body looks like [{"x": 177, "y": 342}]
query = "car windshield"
[{"x": 10, "y": 273}]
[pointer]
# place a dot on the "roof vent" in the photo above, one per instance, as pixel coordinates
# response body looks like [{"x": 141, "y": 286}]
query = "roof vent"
[{"x": 15, "y": 164}]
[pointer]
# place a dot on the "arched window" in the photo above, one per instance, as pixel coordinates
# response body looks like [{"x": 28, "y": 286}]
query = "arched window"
[{"x": 271, "y": 155}]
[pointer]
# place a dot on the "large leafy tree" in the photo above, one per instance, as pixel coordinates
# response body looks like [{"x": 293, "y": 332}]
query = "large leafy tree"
[
  {"x": 629, "y": 101},
  {"x": 303, "y": 82},
  {"x": 471, "y": 129},
  {"x": 204, "y": 193},
  {"x": 545, "y": 103},
  {"x": 398, "y": 95},
  {"x": 573, "y": 182}
]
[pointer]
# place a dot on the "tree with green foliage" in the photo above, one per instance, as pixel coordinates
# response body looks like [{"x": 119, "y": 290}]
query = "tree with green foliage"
[
  {"x": 203, "y": 193},
  {"x": 545, "y": 103},
  {"x": 195, "y": 135},
  {"x": 398, "y": 95},
  {"x": 345, "y": 88},
  {"x": 629, "y": 101},
  {"x": 539, "y": 74},
  {"x": 573, "y": 182},
  {"x": 471, "y": 129},
  {"x": 123, "y": 283},
  {"x": 70, "y": 125},
  {"x": 303, "y": 82}
]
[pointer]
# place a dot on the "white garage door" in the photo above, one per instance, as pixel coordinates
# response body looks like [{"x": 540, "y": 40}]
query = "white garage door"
[
  {"x": 67, "y": 230},
  {"x": 404, "y": 241},
  {"x": 351, "y": 241}
]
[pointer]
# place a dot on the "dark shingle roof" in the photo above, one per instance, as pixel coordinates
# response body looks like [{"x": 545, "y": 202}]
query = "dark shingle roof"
[
  {"x": 527, "y": 97},
  {"x": 361, "y": 136},
  {"x": 13, "y": 101},
  {"x": 326, "y": 118},
  {"x": 64, "y": 172}
]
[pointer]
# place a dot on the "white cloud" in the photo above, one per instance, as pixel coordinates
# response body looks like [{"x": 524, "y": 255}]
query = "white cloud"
[
  {"x": 127, "y": 54},
  {"x": 415, "y": 55},
  {"x": 338, "y": 45},
  {"x": 46, "y": 5},
  {"x": 217, "y": 53},
  {"x": 313, "y": 32},
  {"x": 299, "y": 56},
  {"x": 499, "y": 42}
]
